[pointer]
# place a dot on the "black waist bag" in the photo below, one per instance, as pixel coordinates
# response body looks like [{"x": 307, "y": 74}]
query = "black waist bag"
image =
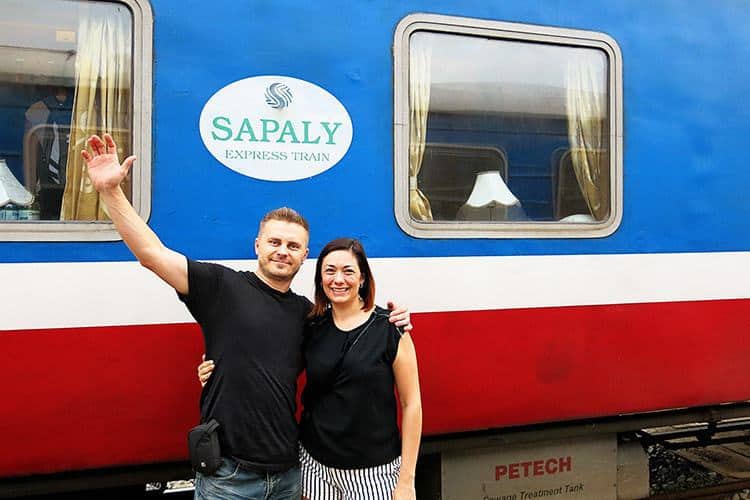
[{"x": 203, "y": 442}]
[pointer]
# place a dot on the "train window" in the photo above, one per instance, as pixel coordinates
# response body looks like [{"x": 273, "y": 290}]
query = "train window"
[
  {"x": 505, "y": 130},
  {"x": 69, "y": 69}
]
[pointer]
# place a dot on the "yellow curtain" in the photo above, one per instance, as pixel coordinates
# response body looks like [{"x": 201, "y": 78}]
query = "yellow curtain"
[
  {"x": 588, "y": 134},
  {"x": 101, "y": 104},
  {"x": 419, "y": 104}
]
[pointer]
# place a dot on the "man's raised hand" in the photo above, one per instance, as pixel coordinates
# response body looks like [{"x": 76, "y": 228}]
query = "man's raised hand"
[
  {"x": 399, "y": 316},
  {"x": 104, "y": 168}
]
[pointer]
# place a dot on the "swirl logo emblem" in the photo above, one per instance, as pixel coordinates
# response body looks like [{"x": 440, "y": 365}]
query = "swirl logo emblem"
[
  {"x": 278, "y": 95},
  {"x": 251, "y": 126}
]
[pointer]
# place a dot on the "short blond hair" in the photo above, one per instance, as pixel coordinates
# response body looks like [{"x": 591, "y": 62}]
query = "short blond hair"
[{"x": 285, "y": 214}]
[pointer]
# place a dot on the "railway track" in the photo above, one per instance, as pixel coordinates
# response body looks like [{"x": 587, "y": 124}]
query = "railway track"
[
  {"x": 714, "y": 457},
  {"x": 737, "y": 490}
]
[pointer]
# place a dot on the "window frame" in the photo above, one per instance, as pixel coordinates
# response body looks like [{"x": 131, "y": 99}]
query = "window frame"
[
  {"x": 141, "y": 113},
  {"x": 452, "y": 25}
]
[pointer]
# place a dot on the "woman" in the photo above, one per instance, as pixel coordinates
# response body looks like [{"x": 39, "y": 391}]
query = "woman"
[{"x": 349, "y": 441}]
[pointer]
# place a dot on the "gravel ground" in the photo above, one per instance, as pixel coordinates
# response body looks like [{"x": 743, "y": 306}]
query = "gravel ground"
[{"x": 670, "y": 473}]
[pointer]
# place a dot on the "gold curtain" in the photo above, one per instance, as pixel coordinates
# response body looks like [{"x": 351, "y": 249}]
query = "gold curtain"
[
  {"x": 101, "y": 104},
  {"x": 588, "y": 134},
  {"x": 419, "y": 105}
]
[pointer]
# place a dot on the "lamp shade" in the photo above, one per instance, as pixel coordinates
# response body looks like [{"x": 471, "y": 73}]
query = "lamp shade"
[{"x": 490, "y": 190}]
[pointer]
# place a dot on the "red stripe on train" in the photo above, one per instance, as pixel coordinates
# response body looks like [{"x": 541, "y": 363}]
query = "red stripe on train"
[
  {"x": 98, "y": 397},
  {"x": 498, "y": 368},
  {"x": 94, "y": 397}
]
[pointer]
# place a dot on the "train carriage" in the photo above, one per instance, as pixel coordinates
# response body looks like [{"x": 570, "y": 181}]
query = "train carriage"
[{"x": 555, "y": 190}]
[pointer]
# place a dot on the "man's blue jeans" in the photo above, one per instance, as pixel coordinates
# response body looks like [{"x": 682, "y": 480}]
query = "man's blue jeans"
[{"x": 233, "y": 482}]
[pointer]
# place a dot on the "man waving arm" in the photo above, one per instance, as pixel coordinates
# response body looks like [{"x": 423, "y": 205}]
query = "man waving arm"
[{"x": 106, "y": 174}]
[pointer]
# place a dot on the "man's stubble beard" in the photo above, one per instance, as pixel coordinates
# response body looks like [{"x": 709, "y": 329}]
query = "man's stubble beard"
[{"x": 269, "y": 272}]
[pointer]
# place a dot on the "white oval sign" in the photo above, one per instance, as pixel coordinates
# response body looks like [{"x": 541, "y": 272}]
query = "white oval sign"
[{"x": 276, "y": 128}]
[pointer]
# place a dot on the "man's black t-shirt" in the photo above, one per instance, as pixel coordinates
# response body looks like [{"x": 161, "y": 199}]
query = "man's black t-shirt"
[
  {"x": 349, "y": 420},
  {"x": 254, "y": 334}
]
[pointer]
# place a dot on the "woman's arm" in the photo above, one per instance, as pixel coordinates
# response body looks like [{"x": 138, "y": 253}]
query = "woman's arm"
[{"x": 407, "y": 384}]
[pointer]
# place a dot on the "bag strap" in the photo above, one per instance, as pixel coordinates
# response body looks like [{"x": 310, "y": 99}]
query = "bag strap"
[
  {"x": 348, "y": 348},
  {"x": 211, "y": 425},
  {"x": 312, "y": 398}
]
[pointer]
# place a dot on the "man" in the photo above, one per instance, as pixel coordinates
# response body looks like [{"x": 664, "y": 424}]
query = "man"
[{"x": 253, "y": 326}]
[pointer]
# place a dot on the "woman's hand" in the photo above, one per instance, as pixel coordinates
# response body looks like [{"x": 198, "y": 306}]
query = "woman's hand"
[
  {"x": 404, "y": 491},
  {"x": 204, "y": 370}
]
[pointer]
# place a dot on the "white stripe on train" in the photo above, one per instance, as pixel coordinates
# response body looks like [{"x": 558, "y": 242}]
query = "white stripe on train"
[{"x": 64, "y": 295}]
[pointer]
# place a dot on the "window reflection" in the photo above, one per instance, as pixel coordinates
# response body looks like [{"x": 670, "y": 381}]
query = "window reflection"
[
  {"x": 65, "y": 73},
  {"x": 508, "y": 131}
]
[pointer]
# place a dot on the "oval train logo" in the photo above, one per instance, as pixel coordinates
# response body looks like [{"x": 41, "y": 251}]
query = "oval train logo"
[{"x": 276, "y": 128}]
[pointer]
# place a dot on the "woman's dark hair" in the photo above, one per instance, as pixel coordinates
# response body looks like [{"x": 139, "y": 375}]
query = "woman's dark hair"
[{"x": 367, "y": 292}]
